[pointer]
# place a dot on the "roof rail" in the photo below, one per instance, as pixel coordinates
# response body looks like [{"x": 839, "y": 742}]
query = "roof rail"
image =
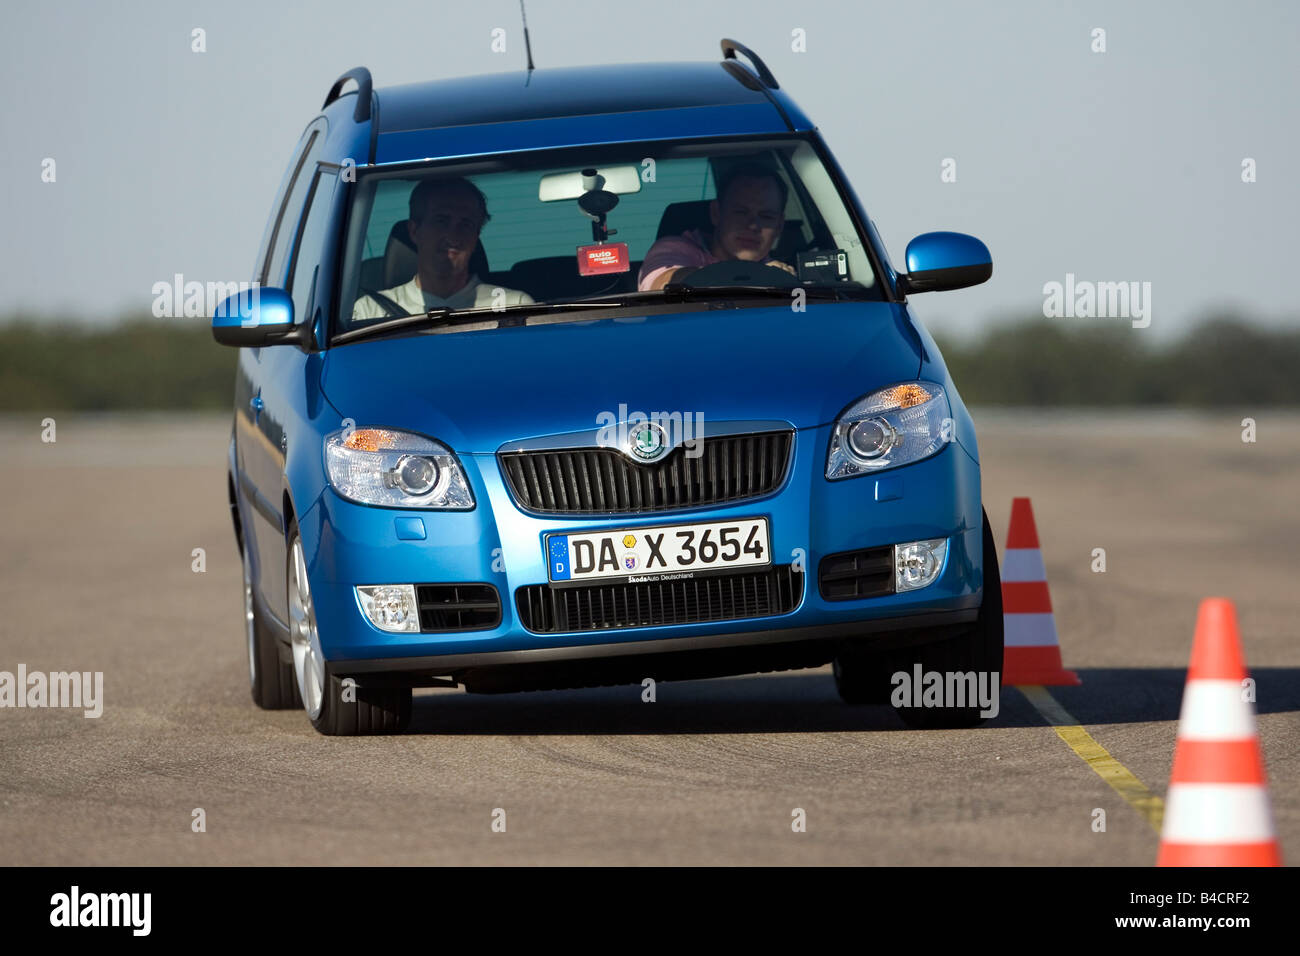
[
  {"x": 731, "y": 47},
  {"x": 364, "y": 88}
]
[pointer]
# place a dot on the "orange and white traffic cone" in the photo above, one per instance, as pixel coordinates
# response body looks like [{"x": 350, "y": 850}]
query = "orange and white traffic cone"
[
  {"x": 1217, "y": 812},
  {"x": 1032, "y": 654}
]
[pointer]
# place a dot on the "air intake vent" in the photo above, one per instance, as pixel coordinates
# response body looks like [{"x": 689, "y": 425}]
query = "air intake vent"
[
  {"x": 852, "y": 575},
  {"x": 547, "y": 609},
  {"x": 605, "y": 481},
  {"x": 458, "y": 607}
]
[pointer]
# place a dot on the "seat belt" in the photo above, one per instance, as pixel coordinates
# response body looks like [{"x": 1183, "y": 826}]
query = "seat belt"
[{"x": 388, "y": 305}]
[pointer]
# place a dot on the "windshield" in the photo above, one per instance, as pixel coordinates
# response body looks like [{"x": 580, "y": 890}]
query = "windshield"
[{"x": 530, "y": 232}]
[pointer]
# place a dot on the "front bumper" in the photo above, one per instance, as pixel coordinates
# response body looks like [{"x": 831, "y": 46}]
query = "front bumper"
[{"x": 348, "y": 544}]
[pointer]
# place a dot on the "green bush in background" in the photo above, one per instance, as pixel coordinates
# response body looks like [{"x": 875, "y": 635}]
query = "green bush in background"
[
  {"x": 137, "y": 364},
  {"x": 1053, "y": 362},
  {"x": 175, "y": 365}
]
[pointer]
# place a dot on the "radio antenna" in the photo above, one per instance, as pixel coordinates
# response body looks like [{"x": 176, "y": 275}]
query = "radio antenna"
[{"x": 528, "y": 47}]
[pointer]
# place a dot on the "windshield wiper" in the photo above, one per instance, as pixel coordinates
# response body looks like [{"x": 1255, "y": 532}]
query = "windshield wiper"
[
  {"x": 673, "y": 292},
  {"x": 437, "y": 318},
  {"x": 685, "y": 292}
]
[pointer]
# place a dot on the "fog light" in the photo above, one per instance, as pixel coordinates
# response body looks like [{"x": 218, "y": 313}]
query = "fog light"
[
  {"x": 918, "y": 563},
  {"x": 390, "y": 607}
]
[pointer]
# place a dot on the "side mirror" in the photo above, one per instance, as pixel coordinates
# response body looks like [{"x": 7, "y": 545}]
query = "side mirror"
[
  {"x": 937, "y": 261},
  {"x": 255, "y": 317}
]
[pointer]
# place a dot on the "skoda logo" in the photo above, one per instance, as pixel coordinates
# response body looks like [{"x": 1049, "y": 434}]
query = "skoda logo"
[{"x": 647, "y": 441}]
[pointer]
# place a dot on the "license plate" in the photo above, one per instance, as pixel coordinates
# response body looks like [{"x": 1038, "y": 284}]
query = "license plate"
[{"x": 665, "y": 553}]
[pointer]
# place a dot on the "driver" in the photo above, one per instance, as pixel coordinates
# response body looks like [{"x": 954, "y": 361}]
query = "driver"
[
  {"x": 446, "y": 216},
  {"x": 747, "y": 216}
]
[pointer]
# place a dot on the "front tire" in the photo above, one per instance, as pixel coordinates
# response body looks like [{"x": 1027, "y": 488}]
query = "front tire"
[
  {"x": 334, "y": 708},
  {"x": 861, "y": 677},
  {"x": 864, "y": 677},
  {"x": 978, "y": 650}
]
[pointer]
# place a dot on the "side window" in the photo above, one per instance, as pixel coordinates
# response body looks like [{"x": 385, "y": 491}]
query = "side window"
[
  {"x": 311, "y": 244},
  {"x": 277, "y": 207},
  {"x": 286, "y": 227}
]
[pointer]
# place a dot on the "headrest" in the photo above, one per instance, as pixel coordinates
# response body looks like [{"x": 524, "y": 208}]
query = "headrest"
[{"x": 680, "y": 217}]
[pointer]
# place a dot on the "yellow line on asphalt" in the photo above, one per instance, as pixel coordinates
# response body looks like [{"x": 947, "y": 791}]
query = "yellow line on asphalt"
[{"x": 1096, "y": 756}]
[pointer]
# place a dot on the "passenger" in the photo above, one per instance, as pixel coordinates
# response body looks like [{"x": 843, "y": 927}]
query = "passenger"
[
  {"x": 446, "y": 216},
  {"x": 747, "y": 216}
]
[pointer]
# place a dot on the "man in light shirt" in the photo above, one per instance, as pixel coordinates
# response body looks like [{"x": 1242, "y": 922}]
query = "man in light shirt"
[{"x": 446, "y": 216}]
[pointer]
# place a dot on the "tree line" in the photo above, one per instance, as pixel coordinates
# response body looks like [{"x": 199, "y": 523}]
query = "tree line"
[{"x": 171, "y": 365}]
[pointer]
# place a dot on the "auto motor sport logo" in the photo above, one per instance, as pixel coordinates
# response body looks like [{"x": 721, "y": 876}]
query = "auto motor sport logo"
[{"x": 649, "y": 437}]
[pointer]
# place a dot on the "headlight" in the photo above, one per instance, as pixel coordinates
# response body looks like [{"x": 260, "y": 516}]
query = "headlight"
[
  {"x": 894, "y": 426},
  {"x": 380, "y": 466}
]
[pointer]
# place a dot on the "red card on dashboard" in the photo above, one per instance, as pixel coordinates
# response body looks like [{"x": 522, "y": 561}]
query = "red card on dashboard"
[{"x": 603, "y": 257}]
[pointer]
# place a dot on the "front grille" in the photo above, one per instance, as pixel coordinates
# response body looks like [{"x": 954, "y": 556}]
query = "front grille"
[
  {"x": 605, "y": 481},
  {"x": 851, "y": 575},
  {"x": 547, "y": 609},
  {"x": 458, "y": 607}
]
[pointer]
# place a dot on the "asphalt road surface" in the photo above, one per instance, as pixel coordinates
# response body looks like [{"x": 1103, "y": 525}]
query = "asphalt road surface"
[{"x": 96, "y": 575}]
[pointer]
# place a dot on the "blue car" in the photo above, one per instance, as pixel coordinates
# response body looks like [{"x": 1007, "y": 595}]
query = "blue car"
[{"x": 592, "y": 376}]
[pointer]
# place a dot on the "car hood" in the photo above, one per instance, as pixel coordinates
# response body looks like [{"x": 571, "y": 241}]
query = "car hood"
[{"x": 475, "y": 391}]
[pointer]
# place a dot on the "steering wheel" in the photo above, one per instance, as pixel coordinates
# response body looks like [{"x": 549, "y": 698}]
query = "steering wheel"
[{"x": 741, "y": 272}]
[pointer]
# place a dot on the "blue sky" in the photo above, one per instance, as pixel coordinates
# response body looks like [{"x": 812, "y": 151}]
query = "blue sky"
[{"x": 1115, "y": 166}]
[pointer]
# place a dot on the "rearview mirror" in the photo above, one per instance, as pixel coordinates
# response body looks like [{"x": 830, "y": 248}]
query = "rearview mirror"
[
  {"x": 255, "y": 317},
  {"x": 937, "y": 261},
  {"x": 618, "y": 179}
]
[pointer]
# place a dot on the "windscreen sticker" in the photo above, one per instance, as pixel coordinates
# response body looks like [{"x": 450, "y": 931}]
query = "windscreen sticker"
[{"x": 602, "y": 258}]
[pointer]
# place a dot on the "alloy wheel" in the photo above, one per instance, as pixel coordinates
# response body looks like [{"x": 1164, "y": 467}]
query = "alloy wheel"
[
  {"x": 308, "y": 661},
  {"x": 250, "y": 624}
]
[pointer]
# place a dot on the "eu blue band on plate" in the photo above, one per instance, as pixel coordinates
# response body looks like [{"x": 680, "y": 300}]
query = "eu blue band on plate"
[{"x": 559, "y": 548}]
